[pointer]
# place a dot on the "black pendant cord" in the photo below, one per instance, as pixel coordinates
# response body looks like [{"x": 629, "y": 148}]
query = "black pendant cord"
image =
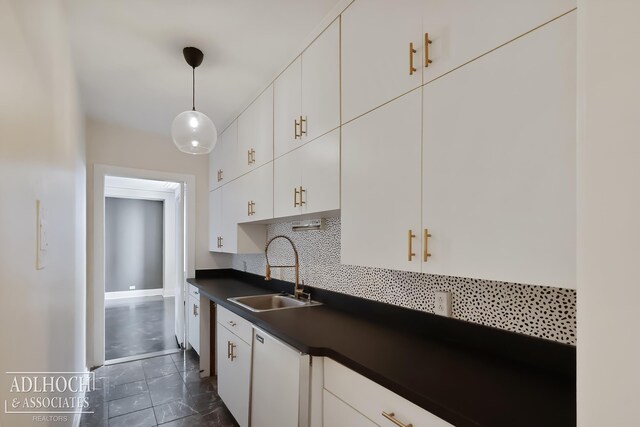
[{"x": 193, "y": 95}]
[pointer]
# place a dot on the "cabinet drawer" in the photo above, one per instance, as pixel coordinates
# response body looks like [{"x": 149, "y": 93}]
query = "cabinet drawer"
[
  {"x": 371, "y": 399},
  {"x": 336, "y": 413},
  {"x": 194, "y": 292},
  {"x": 236, "y": 324}
]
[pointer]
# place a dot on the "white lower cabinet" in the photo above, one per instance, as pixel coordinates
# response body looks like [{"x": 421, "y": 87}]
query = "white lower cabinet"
[
  {"x": 193, "y": 308},
  {"x": 280, "y": 384},
  {"x": 234, "y": 373},
  {"x": 371, "y": 400},
  {"x": 336, "y": 413}
]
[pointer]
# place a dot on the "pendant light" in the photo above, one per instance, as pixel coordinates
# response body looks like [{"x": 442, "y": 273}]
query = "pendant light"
[{"x": 192, "y": 131}]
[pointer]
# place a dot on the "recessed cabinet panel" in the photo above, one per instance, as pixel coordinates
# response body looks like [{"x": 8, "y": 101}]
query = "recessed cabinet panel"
[
  {"x": 499, "y": 163},
  {"x": 381, "y": 180},
  {"x": 336, "y": 413},
  {"x": 255, "y": 133},
  {"x": 321, "y": 84},
  {"x": 461, "y": 30},
  {"x": 287, "y": 100},
  {"x": 376, "y": 57},
  {"x": 230, "y": 214}
]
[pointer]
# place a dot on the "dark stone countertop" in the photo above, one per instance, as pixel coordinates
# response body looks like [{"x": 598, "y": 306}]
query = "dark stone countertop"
[{"x": 466, "y": 374}]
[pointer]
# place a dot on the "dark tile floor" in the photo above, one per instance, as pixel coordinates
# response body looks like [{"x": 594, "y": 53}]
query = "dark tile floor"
[
  {"x": 135, "y": 326},
  {"x": 164, "y": 390}
]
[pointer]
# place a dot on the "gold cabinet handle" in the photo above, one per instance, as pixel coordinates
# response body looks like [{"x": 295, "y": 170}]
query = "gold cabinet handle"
[
  {"x": 231, "y": 353},
  {"x": 252, "y": 205},
  {"x": 426, "y": 253},
  {"x": 303, "y": 132},
  {"x": 411, "y": 237},
  {"x": 295, "y": 129},
  {"x": 195, "y": 310},
  {"x": 427, "y": 42},
  {"x": 295, "y": 197},
  {"x": 221, "y": 241},
  {"x": 251, "y": 156},
  {"x": 232, "y": 323},
  {"x": 228, "y": 349},
  {"x": 302, "y": 190},
  {"x": 412, "y": 69},
  {"x": 219, "y": 175},
  {"x": 391, "y": 417}
]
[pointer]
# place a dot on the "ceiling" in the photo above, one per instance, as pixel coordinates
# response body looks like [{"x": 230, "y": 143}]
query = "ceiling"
[{"x": 128, "y": 54}]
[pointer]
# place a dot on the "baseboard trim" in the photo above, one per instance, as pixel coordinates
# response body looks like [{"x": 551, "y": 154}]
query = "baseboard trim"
[{"x": 133, "y": 294}]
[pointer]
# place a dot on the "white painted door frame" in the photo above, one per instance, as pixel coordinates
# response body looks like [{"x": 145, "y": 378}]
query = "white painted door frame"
[{"x": 95, "y": 309}]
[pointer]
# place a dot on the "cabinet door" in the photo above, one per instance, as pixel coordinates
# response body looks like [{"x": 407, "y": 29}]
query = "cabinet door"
[
  {"x": 321, "y": 173},
  {"x": 287, "y": 180},
  {"x": 381, "y": 168},
  {"x": 287, "y": 101},
  {"x": 230, "y": 213},
  {"x": 336, "y": 413},
  {"x": 375, "y": 53},
  {"x": 499, "y": 188},
  {"x": 216, "y": 163},
  {"x": 193, "y": 308},
  {"x": 215, "y": 219},
  {"x": 234, "y": 373},
  {"x": 255, "y": 133},
  {"x": 321, "y": 83},
  {"x": 255, "y": 190},
  {"x": 462, "y": 30}
]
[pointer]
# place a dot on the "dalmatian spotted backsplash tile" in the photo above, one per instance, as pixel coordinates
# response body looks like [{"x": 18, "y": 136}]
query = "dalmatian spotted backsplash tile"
[{"x": 541, "y": 311}]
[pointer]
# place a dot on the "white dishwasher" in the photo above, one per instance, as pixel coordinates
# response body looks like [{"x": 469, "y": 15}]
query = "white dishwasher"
[{"x": 280, "y": 383}]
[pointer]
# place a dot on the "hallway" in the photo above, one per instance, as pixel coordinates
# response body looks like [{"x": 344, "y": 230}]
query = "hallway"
[{"x": 138, "y": 326}]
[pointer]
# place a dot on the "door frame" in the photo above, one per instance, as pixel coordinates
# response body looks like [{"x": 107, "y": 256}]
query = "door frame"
[{"x": 96, "y": 302}]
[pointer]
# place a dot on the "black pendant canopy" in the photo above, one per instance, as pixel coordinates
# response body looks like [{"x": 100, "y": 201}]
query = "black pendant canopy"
[{"x": 193, "y": 56}]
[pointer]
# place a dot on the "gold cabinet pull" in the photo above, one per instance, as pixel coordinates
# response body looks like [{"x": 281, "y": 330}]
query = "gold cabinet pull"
[
  {"x": 412, "y": 69},
  {"x": 231, "y": 353},
  {"x": 426, "y": 253},
  {"x": 427, "y": 42},
  {"x": 391, "y": 417},
  {"x": 248, "y": 208},
  {"x": 295, "y": 129},
  {"x": 221, "y": 241},
  {"x": 251, "y": 156},
  {"x": 295, "y": 197},
  {"x": 228, "y": 349},
  {"x": 411, "y": 237},
  {"x": 302, "y": 190},
  {"x": 303, "y": 132},
  {"x": 219, "y": 175},
  {"x": 231, "y": 323},
  {"x": 252, "y": 205}
]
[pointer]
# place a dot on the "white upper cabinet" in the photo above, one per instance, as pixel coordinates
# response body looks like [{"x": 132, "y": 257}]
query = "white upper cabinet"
[
  {"x": 215, "y": 219},
  {"x": 321, "y": 84},
  {"x": 223, "y": 158},
  {"x": 381, "y": 180},
  {"x": 307, "y": 94},
  {"x": 376, "y": 56},
  {"x": 287, "y": 101},
  {"x": 499, "y": 162},
  {"x": 461, "y": 30},
  {"x": 307, "y": 180},
  {"x": 255, "y": 133},
  {"x": 255, "y": 194},
  {"x": 385, "y": 49}
]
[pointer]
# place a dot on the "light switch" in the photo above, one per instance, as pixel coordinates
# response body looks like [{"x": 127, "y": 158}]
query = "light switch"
[{"x": 42, "y": 243}]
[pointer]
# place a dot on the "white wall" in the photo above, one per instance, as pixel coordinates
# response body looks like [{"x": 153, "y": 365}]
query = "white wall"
[
  {"x": 42, "y": 312},
  {"x": 608, "y": 213}
]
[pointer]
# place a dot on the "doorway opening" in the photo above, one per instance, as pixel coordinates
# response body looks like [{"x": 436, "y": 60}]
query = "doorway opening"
[{"x": 144, "y": 232}]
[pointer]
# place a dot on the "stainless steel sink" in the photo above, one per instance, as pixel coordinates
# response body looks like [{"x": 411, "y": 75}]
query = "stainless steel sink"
[{"x": 271, "y": 302}]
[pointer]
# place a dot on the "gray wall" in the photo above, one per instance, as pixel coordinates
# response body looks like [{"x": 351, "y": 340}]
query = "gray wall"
[{"x": 133, "y": 244}]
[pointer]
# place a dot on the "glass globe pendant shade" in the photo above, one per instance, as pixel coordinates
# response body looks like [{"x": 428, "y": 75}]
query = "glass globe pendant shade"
[{"x": 194, "y": 133}]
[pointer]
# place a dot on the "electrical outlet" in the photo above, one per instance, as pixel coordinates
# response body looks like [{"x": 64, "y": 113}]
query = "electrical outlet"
[
  {"x": 132, "y": 287},
  {"x": 443, "y": 303}
]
